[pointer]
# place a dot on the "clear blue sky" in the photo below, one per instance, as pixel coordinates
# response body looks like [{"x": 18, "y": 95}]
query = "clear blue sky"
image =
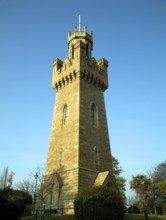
[{"x": 130, "y": 34}]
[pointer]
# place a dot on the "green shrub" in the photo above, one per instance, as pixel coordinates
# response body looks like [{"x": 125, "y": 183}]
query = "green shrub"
[
  {"x": 99, "y": 203},
  {"x": 13, "y": 203}
]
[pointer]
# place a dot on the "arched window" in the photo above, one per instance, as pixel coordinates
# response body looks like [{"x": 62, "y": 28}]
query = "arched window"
[
  {"x": 96, "y": 154},
  {"x": 65, "y": 115},
  {"x": 94, "y": 116},
  {"x": 51, "y": 194}
]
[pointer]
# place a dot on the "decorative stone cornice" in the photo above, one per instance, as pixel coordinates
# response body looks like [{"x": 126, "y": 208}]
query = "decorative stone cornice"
[
  {"x": 95, "y": 72},
  {"x": 64, "y": 81},
  {"x": 94, "y": 80},
  {"x": 87, "y": 76},
  {"x": 92, "y": 71}
]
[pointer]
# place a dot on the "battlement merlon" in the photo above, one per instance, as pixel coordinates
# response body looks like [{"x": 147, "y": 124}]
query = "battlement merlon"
[
  {"x": 102, "y": 63},
  {"x": 57, "y": 64},
  {"x": 93, "y": 72}
]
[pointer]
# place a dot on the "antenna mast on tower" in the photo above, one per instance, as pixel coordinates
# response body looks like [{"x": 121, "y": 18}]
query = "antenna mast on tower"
[{"x": 79, "y": 23}]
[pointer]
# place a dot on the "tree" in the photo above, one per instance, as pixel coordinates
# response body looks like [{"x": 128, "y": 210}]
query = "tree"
[
  {"x": 28, "y": 185},
  {"x": 6, "y": 178},
  {"x": 133, "y": 204},
  {"x": 25, "y": 186},
  {"x": 38, "y": 186},
  {"x": 162, "y": 187},
  {"x": 13, "y": 203},
  {"x": 159, "y": 178},
  {"x": 141, "y": 184},
  {"x": 159, "y": 172},
  {"x": 101, "y": 202},
  {"x": 117, "y": 170},
  {"x": 157, "y": 193},
  {"x": 121, "y": 186}
]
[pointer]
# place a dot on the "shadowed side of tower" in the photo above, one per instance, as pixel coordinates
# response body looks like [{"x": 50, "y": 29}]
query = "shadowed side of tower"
[{"x": 79, "y": 150}]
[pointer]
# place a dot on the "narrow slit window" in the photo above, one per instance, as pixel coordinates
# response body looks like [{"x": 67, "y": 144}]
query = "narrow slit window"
[
  {"x": 61, "y": 157},
  {"x": 93, "y": 115},
  {"x": 96, "y": 155},
  {"x": 65, "y": 115}
]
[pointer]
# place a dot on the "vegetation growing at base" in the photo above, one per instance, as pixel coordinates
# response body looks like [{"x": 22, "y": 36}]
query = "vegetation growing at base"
[
  {"x": 127, "y": 217},
  {"x": 99, "y": 203},
  {"x": 13, "y": 203}
]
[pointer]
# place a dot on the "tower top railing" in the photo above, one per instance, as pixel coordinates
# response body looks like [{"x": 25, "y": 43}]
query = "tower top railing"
[{"x": 80, "y": 34}]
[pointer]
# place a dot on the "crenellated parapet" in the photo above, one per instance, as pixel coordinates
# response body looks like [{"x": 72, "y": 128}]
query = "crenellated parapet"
[
  {"x": 77, "y": 35},
  {"x": 63, "y": 74},
  {"x": 80, "y": 37},
  {"x": 94, "y": 72}
]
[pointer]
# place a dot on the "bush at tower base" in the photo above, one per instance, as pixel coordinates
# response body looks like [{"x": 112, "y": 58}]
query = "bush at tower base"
[{"x": 99, "y": 203}]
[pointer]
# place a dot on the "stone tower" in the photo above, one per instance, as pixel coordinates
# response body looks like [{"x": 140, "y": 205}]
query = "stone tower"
[{"x": 79, "y": 150}]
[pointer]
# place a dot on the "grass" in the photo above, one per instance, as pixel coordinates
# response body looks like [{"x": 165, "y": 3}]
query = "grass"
[
  {"x": 65, "y": 217},
  {"x": 141, "y": 217},
  {"x": 127, "y": 217}
]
